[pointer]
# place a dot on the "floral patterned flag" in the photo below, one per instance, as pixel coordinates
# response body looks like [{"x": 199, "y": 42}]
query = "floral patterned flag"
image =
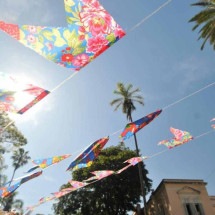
[
  {"x": 44, "y": 163},
  {"x": 102, "y": 174},
  {"x": 180, "y": 137},
  {"x": 30, "y": 209},
  {"x": 46, "y": 199},
  {"x": 134, "y": 127},
  {"x": 90, "y": 31},
  {"x": 77, "y": 184},
  {"x": 64, "y": 192},
  {"x": 134, "y": 161},
  {"x": 123, "y": 169},
  {"x": 86, "y": 158},
  {"x": 17, "y": 96},
  {"x": 7, "y": 191}
]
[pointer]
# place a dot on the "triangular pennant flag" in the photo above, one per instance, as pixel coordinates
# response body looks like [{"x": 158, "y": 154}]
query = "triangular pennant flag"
[
  {"x": 180, "y": 137},
  {"x": 90, "y": 31},
  {"x": 134, "y": 127},
  {"x": 17, "y": 96},
  {"x": 86, "y": 158}
]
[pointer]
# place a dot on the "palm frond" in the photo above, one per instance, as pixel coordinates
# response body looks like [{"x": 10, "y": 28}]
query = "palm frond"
[
  {"x": 206, "y": 18},
  {"x": 116, "y": 101},
  {"x": 202, "y": 4},
  {"x": 127, "y": 99},
  {"x": 137, "y": 90}
]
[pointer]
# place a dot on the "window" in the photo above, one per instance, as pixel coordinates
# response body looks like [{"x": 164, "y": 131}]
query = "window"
[
  {"x": 199, "y": 209},
  {"x": 194, "y": 209},
  {"x": 189, "y": 210}
]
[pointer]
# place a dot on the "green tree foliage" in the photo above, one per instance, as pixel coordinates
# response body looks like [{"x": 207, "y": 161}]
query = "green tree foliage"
[
  {"x": 11, "y": 143},
  {"x": 206, "y": 19},
  {"x": 116, "y": 194}
]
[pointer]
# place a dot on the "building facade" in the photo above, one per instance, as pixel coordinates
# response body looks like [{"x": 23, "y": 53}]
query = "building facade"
[{"x": 181, "y": 197}]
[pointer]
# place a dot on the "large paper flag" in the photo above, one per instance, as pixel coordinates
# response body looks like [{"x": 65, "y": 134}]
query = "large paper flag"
[
  {"x": 86, "y": 158},
  {"x": 90, "y": 31},
  {"x": 134, "y": 127},
  {"x": 180, "y": 137},
  {"x": 18, "y": 97}
]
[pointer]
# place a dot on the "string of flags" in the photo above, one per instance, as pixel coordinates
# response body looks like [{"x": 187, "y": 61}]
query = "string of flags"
[
  {"x": 180, "y": 138},
  {"x": 75, "y": 185},
  {"x": 86, "y": 158}
]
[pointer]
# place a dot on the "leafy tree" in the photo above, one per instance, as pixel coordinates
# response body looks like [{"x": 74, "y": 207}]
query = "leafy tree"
[
  {"x": 10, "y": 135},
  {"x": 11, "y": 142},
  {"x": 116, "y": 194},
  {"x": 127, "y": 97},
  {"x": 206, "y": 19}
]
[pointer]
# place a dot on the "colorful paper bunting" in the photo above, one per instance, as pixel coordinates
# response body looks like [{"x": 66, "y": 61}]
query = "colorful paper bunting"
[
  {"x": 78, "y": 184},
  {"x": 134, "y": 127},
  {"x": 123, "y": 169},
  {"x": 180, "y": 137},
  {"x": 102, "y": 174},
  {"x": 7, "y": 191},
  {"x": 46, "y": 199},
  {"x": 98, "y": 175},
  {"x": 62, "y": 193},
  {"x": 90, "y": 31},
  {"x": 44, "y": 163},
  {"x": 29, "y": 177},
  {"x": 134, "y": 161},
  {"x": 18, "y": 97},
  {"x": 86, "y": 158}
]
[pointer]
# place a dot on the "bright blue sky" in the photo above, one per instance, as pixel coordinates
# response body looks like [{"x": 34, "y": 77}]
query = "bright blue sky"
[{"x": 162, "y": 57}]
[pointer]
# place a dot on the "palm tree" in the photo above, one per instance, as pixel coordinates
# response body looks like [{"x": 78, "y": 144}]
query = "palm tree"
[
  {"x": 127, "y": 97},
  {"x": 20, "y": 158},
  {"x": 206, "y": 18}
]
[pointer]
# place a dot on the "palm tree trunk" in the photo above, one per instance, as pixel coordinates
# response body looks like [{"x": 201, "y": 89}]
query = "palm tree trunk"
[
  {"x": 142, "y": 182},
  {"x": 12, "y": 176}
]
